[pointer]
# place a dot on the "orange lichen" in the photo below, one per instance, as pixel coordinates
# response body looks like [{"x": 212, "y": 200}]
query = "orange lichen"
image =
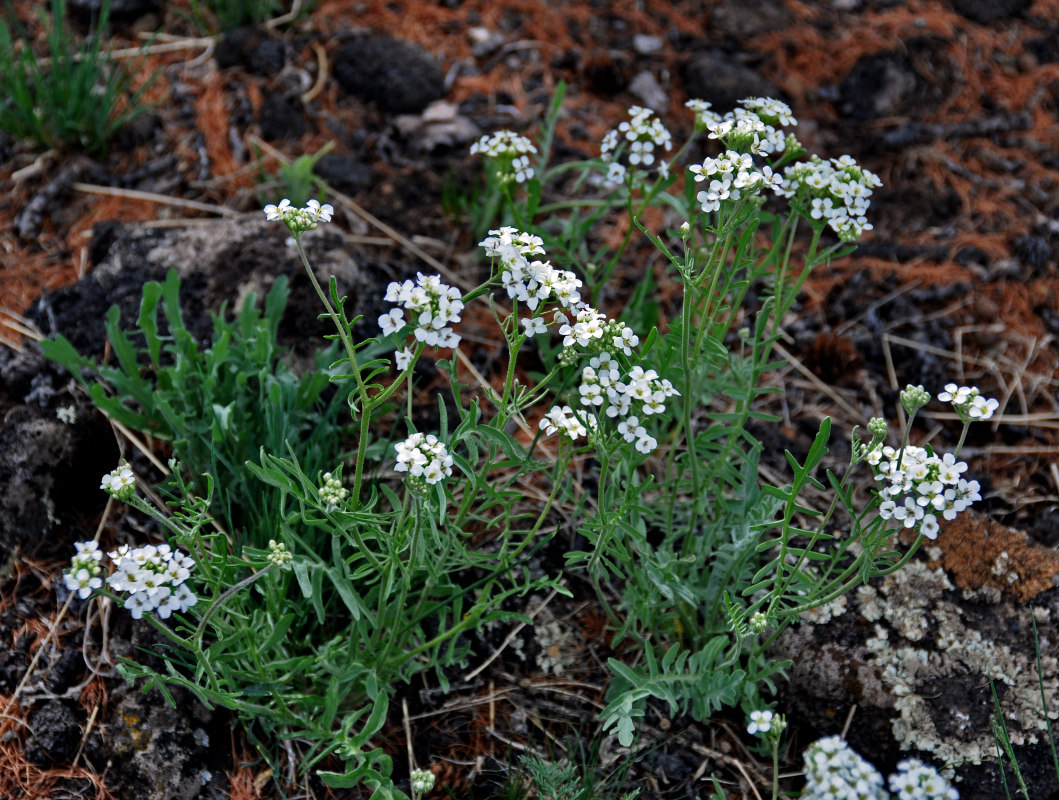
[{"x": 972, "y": 548}]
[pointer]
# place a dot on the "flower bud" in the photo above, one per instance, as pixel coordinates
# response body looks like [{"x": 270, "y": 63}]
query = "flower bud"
[
  {"x": 422, "y": 781},
  {"x": 914, "y": 398}
]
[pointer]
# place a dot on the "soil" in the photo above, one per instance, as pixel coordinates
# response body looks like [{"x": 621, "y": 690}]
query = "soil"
[{"x": 953, "y": 104}]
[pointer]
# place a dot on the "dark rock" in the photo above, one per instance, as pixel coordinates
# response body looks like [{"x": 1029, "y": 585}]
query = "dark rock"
[
  {"x": 1033, "y": 251},
  {"x": 218, "y": 263},
  {"x": 970, "y": 254},
  {"x": 7, "y": 145},
  {"x": 46, "y": 468},
  {"x": 138, "y": 131},
  {"x": 395, "y": 75},
  {"x": 606, "y": 73},
  {"x": 250, "y": 47},
  {"x": 718, "y": 79},
  {"x": 877, "y": 86},
  {"x": 346, "y": 173},
  {"x": 740, "y": 20},
  {"x": 66, "y": 671},
  {"x": 905, "y": 82},
  {"x": 986, "y": 12},
  {"x": 281, "y": 118},
  {"x": 56, "y": 733},
  {"x": 1044, "y": 48}
]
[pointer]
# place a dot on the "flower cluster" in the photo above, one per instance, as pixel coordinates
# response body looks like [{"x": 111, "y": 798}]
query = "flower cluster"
[
  {"x": 920, "y": 485},
  {"x": 644, "y": 133},
  {"x": 605, "y": 385},
  {"x": 640, "y": 394},
  {"x": 510, "y": 152},
  {"x": 298, "y": 220},
  {"x": 332, "y": 493},
  {"x": 730, "y": 175},
  {"x": 278, "y": 554},
  {"x": 592, "y": 331},
  {"x": 432, "y": 306},
  {"x": 85, "y": 574},
  {"x": 530, "y": 282},
  {"x": 750, "y": 128},
  {"x": 833, "y": 770},
  {"x": 422, "y": 780},
  {"x": 834, "y": 191},
  {"x": 969, "y": 402},
  {"x": 119, "y": 482},
  {"x": 564, "y": 420},
  {"x": 155, "y": 576},
  {"x": 423, "y": 456},
  {"x": 914, "y": 780},
  {"x": 914, "y": 398}
]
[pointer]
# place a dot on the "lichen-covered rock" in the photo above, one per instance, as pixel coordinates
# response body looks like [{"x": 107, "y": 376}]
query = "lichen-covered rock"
[
  {"x": 916, "y": 652},
  {"x": 219, "y": 262},
  {"x": 48, "y": 468},
  {"x": 164, "y": 752}
]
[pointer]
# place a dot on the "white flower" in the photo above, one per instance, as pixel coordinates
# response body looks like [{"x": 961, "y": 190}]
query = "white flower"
[
  {"x": 616, "y": 174},
  {"x": 432, "y": 305},
  {"x": 424, "y": 456},
  {"x": 917, "y": 781},
  {"x": 402, "y": 358},
  {"x": 273, "y": 212},
  {"x": 318, "y": 212},
  {"x": 508, "y": 150},
  {"x": 184, "y": 597},
  {"x": 165, "y": 602},
  {"x": 422, "y": 781},
  {"x": 562, "y": 419},
  {"x": 646, "y": 443},
  {"x": 298, "y": 220},
  {"x": 119, "y": 482},
  {"x": 760, "y": 722},
  {"x": 392, "y": 321},
  {"x": 630, "y": 428},
  {"x": 84, "y": 581},
  {"x": 534, "y": 326},
  {"x": 644, "y": 133},
  {"x": 137, "y": 603}
]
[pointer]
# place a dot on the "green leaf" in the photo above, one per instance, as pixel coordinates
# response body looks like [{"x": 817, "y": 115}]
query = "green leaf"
[{"x": 148, "y": 320}]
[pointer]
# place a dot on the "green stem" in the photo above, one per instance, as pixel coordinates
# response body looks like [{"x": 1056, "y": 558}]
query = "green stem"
[
  {"x": 601, "y": 495},
  {"x": 775, "y": 767},
  {"x": 351, "y": 354},
  {"x": 216, "y": 604}
]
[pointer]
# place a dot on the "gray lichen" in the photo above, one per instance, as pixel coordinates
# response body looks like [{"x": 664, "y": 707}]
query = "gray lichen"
[{"x": 914, "y": 644}]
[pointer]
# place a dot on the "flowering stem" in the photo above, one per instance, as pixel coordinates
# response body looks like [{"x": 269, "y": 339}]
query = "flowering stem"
[
  {"x": 351, "y": 354},
  {"x": 601, "y": 496},
  {"x": 775, "y": 766},
  {"x": 963, "y": 438}
]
